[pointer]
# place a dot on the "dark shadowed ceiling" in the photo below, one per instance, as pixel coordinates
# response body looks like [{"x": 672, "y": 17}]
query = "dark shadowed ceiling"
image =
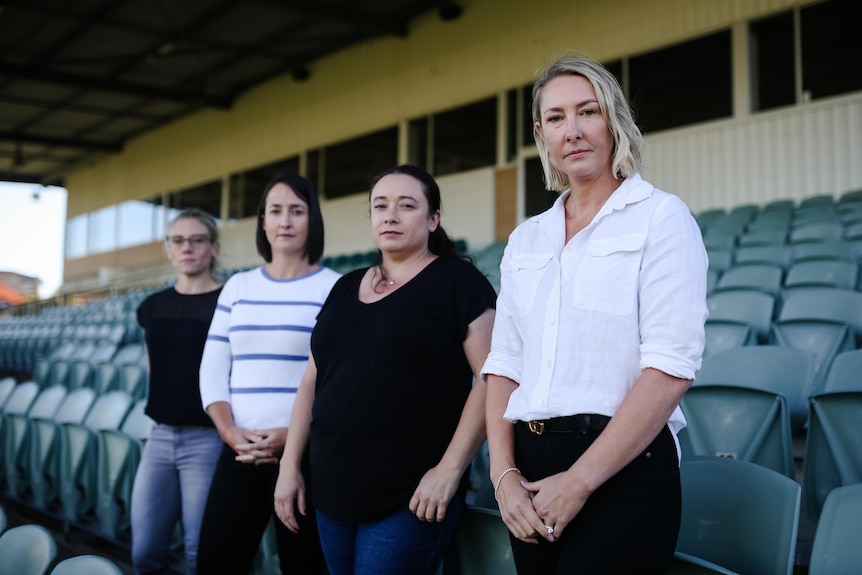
[{"x": 79, "y": 78}]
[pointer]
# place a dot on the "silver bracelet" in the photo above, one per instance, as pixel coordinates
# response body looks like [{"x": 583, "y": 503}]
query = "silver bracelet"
[{"x": 500, "y": 479}]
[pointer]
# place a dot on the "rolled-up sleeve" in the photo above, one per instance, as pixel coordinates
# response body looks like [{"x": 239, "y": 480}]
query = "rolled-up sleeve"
[
  {"x": 672, "y": 293},
  {"x": 506, "y": 358}
]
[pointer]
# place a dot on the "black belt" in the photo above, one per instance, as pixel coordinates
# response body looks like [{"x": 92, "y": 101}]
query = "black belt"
[{"x": 582, "y": 422}]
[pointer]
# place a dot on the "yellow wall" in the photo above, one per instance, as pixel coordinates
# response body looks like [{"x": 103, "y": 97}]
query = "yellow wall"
[{"x": 495, "y": 45}]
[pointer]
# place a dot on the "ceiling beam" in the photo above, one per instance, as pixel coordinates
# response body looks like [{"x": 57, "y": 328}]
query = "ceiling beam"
[
  {"x": 77, "y": 81},
  {"x": 24, "y": 138}
]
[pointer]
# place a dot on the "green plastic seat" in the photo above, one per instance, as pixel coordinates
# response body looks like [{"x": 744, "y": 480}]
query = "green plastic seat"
[
  {"x": 833, "y": 446},
  {"x": 133, "y": 380},
  {"x": 742, "y": 305},
  {"x": 684, "y": 564},
  {"x": 738, "y": 423},
  {"x": 80, "y": 374},
  {"x": 829, "y": 273},
  {"x": 721, "y": 335},
  {"x": 26, "y": 550},
  {"x": 7, "y": 384},
  {"x": 17, "y": 434},
  {"x": 78, "y": 452},
  {"x": 43, "y": 454},
  {"x": 823, "y": 337},
  {"x": 105, "y": 376},
  {"x": 763, "y": 277},
  {"x": 19, "y": 401},
  {"x": 738, "y": 515},
  {"x": 769, "y": 255},
  {"x": 776, "y": 369},
  {"x": 117, "y": 461},
  {"x": 836, "y": 549},
  {"x": 482, "y": 543},
  {"x": 86, "y": 565}
]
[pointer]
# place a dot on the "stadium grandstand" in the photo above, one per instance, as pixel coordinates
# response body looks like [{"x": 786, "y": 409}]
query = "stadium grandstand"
[{"x": 752, "y": 114}]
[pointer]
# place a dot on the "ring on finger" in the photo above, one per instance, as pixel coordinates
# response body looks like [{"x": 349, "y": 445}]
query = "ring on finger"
[{"x": 550, "y": 529}]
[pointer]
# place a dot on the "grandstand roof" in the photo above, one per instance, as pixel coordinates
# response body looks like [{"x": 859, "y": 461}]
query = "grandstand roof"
[{"x": 79, "y": 79}]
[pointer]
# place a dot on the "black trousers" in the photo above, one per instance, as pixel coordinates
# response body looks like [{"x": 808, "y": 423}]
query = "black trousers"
[
  {"x": 629, "y": 525},
  {"x": 238, "y": 508}
]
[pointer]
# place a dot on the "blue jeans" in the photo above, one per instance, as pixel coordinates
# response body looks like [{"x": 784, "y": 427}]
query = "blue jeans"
[
  {"x": 172, "y": 482},
  {"x": 399, "y": 544}
]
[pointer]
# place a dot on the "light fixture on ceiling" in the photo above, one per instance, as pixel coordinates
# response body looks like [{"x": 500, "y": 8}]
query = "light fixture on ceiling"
[{"x": 450, "y": 11}]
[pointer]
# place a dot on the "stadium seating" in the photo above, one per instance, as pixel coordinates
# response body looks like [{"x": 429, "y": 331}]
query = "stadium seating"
[
  {"x": 26, "y": 550},
  {"x": 738, "y": 423},
  {"x": 118, "y": 455},
  {"x": 779, "y": 370},
  {"x": 741, "y": 516},
  {"x": 836, "y": 549},
  {"x": 17, "y": 435},
  {"x": 482, "y": 543},
  {"x": 78, "y": 452},
  {"x": 86, "y": 565},
  {"x": 833, "y": 446},
  {"x": 44, "y": 461},
  {"x": 746, "y": 306}
]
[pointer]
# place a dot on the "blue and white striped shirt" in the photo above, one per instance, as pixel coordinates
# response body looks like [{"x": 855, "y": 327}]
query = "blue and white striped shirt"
[{"x": 258, "y": 344}]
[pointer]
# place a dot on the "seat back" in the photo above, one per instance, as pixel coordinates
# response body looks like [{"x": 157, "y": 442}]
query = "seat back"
[
  {"x": 780, "y": 370},
  {"x": 836, "y": 549},
  {"x": 738, "y": 423},
  {"x": 747, "y": 306},
  {"x": 833, "y": 447},
  {"x": 738, "y": 515},
  {"x": 26, "y": 550},
  {"x": 763, "y": 277},
  {"x": 482, "y": 543},
  {"x": 721, "y": 335},
  {"x": 133, "y": 380},
  {"x": 820, "y": 231},
  {"x": 824, "y": 303},
  {"x": 21, "y": 398},
  {"x": 86, "y": 565},
  {"x": 79, "y": 452},
  {"x": 685, "y": 564},
  {"x": 105, "y": 377},
  {"x": 769, "y": 255},
  {"x": 824, "y": 251},
  {"x": 117, "y": 461},
  {"x": 824, "y": 338},
  {"x": 16, "y": 438},
  {"x": 44, "y": 459},
  {"x": 80, "y": 374},
  {"x": 829, "y": 273},
  {"x": 137, "y": 423},
  {"x": 7, "y": 384},
  {"x": 844, "y": 373}
]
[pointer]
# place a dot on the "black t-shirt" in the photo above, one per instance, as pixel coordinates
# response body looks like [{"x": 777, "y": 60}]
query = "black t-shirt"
[
  {"x": 175, "y": 330},
  {"x": 392, "y": 382}
]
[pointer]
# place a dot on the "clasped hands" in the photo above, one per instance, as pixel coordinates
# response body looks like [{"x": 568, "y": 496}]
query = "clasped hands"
[
  {"x": 258, "y": 446},
  {"x": 533, "y": 509}
]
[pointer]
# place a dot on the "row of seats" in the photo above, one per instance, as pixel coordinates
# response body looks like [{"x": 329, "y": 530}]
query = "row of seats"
[
  {"x": 748, "y": 406},
  {"x": 30, "y": 549},
  {"x": 737, "y": 517},
  {"x": 72, "y": 454}
]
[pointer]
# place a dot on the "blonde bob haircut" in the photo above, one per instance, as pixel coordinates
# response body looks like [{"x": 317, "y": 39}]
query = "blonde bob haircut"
[{"x": 626, "y": 160}]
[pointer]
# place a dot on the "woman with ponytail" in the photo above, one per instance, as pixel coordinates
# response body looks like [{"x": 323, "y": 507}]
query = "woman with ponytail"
[{"x": 388, "y": 400}]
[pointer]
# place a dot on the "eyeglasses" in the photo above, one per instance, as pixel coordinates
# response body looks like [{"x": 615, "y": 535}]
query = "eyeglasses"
[{"x": 195, "y": 241}]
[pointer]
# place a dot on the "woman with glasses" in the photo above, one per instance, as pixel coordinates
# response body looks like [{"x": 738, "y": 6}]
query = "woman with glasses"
[
  {"x": 174, "y": 474},
  {"x": 256, "y": 352}
]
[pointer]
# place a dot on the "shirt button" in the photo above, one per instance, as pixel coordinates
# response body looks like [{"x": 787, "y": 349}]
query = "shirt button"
[
  {"x": 540, "y": 402},
  {"x": 553, "y": 322},
  {"x": 547, "y": 364}
]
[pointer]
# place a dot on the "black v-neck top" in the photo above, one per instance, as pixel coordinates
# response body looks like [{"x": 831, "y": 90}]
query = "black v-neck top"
[{"x": 391, "y": 385}]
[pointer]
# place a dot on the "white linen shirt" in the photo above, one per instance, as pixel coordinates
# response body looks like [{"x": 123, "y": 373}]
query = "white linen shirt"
[{"x": 576, "y": 323}]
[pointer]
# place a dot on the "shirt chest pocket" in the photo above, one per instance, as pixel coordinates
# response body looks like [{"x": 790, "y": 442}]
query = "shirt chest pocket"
[
  {"x": 607, "y": 280},
  {"x": 527, "y": 271}
]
